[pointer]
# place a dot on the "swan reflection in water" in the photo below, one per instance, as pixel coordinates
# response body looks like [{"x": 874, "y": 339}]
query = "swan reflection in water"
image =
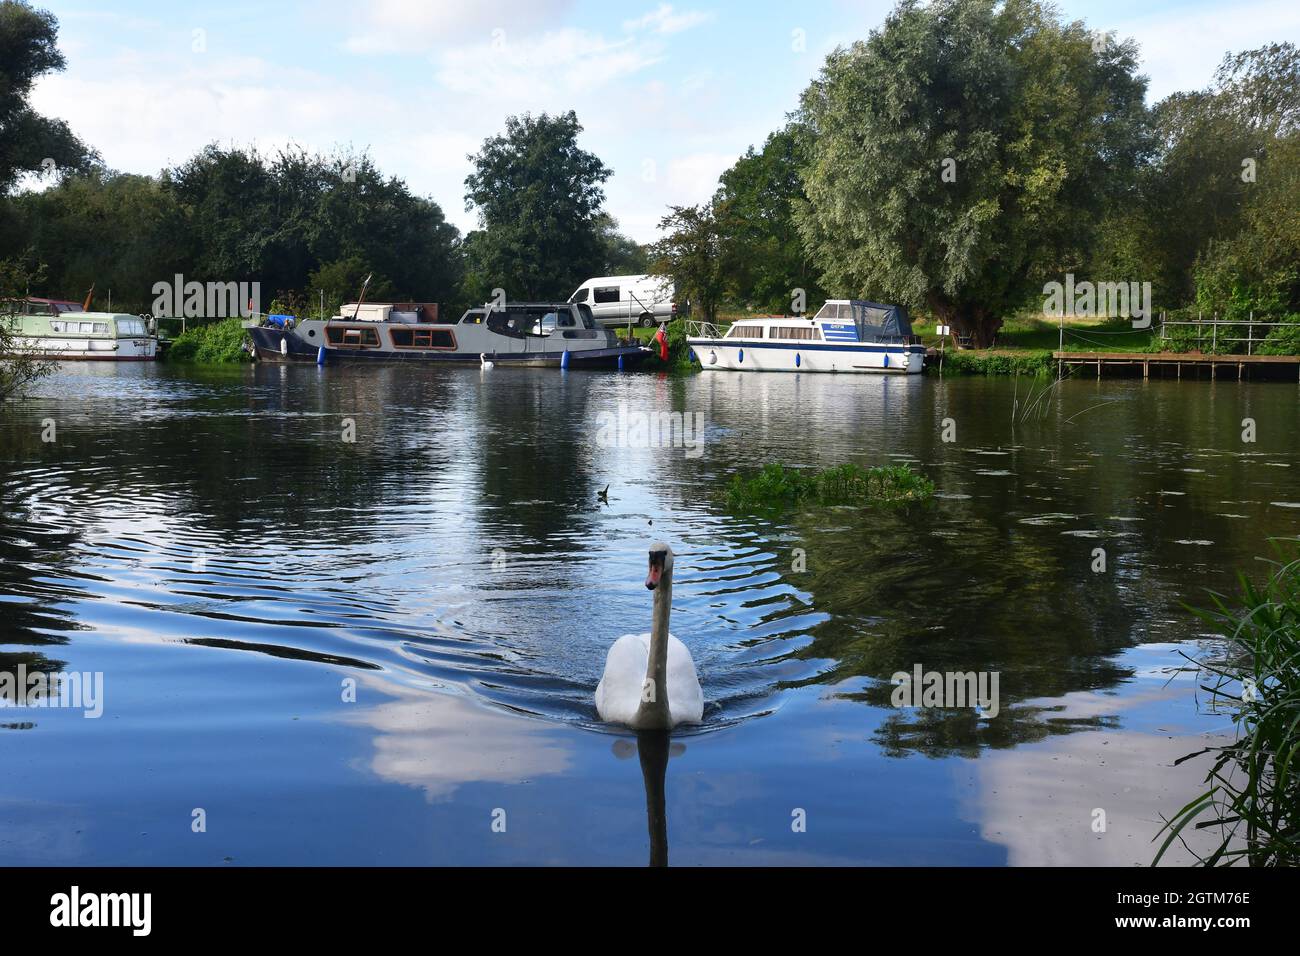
[
  {"x": 653, "y": 747},
  {"x": 650, "y": 684}
]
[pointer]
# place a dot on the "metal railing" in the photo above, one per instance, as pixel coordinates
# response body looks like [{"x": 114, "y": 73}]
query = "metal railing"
[
  {"x": 700, "y": 329},
  {"x": 1214, "y": 324}
]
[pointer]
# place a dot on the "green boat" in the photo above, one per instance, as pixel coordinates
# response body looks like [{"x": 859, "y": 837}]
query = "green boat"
[{"x": 60, "y": 329}]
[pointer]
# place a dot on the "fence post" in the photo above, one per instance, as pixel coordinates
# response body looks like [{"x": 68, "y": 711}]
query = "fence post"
[
  {"x": 1214, "y": 333},
  {"x": 1250, "y": 331}
]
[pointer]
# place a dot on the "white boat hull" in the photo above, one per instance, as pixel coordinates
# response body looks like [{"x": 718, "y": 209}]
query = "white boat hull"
[
  {"x": 743, "y": 356},
  {"x": 76, "y": 348}
]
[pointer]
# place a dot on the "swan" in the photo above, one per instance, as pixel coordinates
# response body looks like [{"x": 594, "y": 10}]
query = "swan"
[
  {"x": 483, "y": 360},
  {"x": 650, "y": 681}
]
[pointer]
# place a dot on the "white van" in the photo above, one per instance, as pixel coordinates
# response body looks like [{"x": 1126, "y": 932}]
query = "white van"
[{"x": 618, "y": 300}]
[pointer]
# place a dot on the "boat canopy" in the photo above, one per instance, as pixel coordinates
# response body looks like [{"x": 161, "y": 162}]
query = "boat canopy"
[{"x": 872, "y": 321}]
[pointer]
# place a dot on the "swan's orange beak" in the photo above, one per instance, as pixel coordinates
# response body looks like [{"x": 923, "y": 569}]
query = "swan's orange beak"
[{"x": 656, "y": 570}]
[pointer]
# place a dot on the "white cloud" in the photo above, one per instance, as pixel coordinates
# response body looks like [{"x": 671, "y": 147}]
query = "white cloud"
[
  {"x": 695, "y": 177},
  {"x": 665, "y": 20},
  {"x": 559, "y": 63},
  {"x": 1181, "y": 48},
  {"x": 138, "y": 124},
  {"x": 415, "y": 25}
]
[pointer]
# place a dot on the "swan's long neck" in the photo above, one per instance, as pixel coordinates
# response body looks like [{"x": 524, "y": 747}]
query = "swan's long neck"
[{"x": 654, "y": 714}]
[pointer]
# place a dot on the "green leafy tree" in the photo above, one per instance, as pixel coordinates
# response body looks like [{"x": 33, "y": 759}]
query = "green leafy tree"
[
  {"x": 696, "y": 251},
  {"x": 233, "y": 215},
  {"x": 19, "y": 368},
  {"x": 28, "y": 50},
  {"x": 1212, "y": 145},
  {"x": 759, "y": 194},
  {"x": 539, "y": 198},
  {"x": 76, "y": 227},
  {"x": 965, "y": 153},
  {"x": 623, "y": 255},
  {"x": 1258, "y": 269},
  {"x": 340, "y": 281}
]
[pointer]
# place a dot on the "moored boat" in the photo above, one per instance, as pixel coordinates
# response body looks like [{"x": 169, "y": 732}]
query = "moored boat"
[
  {"x": 59, "y": 329},
  {"x": 846, "y": 335},
  {"x": 523, "y": 334}
]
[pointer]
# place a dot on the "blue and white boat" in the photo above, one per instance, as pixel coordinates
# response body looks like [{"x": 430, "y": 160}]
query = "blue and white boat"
[{"x": 846, "y": 335}]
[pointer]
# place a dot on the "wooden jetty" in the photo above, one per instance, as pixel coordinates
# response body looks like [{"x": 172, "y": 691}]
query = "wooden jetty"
[{"x": 1175, "y": 364}]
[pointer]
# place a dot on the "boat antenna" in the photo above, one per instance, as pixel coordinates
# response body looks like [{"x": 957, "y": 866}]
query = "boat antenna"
[
  {"x": 85, "y": 306},
  {"x": 362, "y": 297}
]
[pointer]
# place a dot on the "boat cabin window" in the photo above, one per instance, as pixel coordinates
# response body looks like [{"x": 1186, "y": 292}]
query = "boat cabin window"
[
  {"x": 605, "y": 294},
  {"x": 795, "y": 332},
  {"x": 128, "y": 327},
  {"x": 505, "y": 323},
  {"x": 584, "y": 312},
  {"x": 79, "y": 328},
  {"x": 423, "y": 338},
  {"x": 745, "y": 332},
  {"x": 352, "y": 337}
]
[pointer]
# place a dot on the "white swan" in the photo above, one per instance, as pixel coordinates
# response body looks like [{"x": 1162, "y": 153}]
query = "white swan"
[
  {"x": 483, "y": 361},
  {"x": 650, "y": 681}
]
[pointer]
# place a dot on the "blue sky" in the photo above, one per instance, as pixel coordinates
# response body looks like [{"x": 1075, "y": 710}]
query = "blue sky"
[{"x": 669, "y": 94}]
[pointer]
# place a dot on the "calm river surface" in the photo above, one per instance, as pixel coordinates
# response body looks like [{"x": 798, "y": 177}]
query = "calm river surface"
[{"x": 239, "y": 573}]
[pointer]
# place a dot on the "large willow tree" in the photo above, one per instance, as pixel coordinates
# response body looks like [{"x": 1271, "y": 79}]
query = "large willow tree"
[{"x": 964, "y": 154}]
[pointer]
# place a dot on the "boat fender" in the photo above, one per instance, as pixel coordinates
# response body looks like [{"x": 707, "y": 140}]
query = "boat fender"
[
  {"x": 886, "y": 360},
  {"x": 284, "y": 345},
  {"x": 564, "y": 359},
  {"x": 741, "y": 357},
  {"x": 320, "y": 355},
  {"x": 713, "y": 358},
  {"x": 620, "y": 363},
  {"x": 796, "y": 360}
]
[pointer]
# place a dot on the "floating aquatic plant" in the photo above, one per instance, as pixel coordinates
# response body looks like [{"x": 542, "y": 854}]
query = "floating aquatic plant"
[{"x": 778, "y": 486}]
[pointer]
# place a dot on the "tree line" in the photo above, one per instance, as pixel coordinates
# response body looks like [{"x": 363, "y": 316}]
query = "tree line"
[{"x": 959, "y": 158}]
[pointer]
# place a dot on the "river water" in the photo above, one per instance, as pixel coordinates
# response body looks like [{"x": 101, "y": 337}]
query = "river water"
[{"x": 358, "y": 615}]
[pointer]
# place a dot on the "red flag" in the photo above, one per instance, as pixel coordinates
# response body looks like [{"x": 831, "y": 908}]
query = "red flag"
[{"x": 662, "y": 338}]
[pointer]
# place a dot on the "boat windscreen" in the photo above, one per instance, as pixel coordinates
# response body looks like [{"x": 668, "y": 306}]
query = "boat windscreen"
[{"x": 875, "y": 321}]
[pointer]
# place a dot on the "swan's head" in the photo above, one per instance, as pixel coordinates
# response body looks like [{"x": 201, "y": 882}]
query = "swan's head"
[{"x": 661, "y": 563}]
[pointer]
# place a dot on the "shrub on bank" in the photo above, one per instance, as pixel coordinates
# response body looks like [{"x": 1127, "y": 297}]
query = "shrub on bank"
[
  {"x": 1033, "y": 362},
  {"x": 218, "y": 343},
  {"x": 679, "y": 353},
  {"x": 1284, "y": 340}
]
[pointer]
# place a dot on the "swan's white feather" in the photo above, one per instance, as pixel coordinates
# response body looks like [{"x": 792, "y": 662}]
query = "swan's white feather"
[{"x": 618, "y": 695}]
